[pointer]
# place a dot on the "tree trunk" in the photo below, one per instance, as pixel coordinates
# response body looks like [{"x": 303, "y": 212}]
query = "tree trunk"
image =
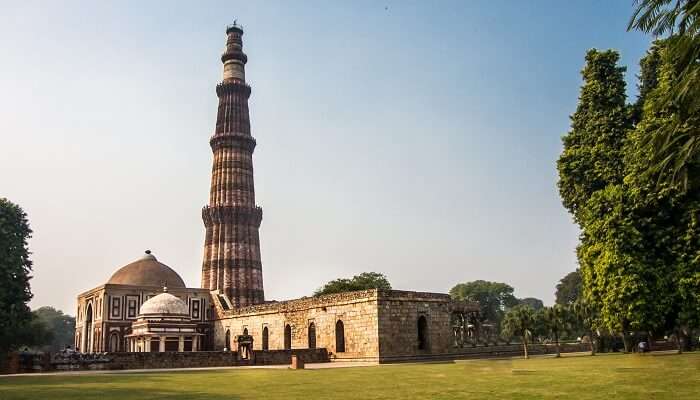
[
  {"x": 525, "y": 348},
  {"x": 556, "y": 341},
  {"x": 649, "y": 340},
  {"x": 625, "y": 342},
  {"x": 591, "y": 339},
  {"x": 679, "y": 340}
]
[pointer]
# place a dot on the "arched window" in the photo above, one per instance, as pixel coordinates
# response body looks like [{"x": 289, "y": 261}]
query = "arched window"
[
  {"x": 339, "y": 337},
  {"x": 423, "y": 333},
  {"x": 228, "y": 340},
  {"x": 114, "y": 342},
  {"x": 312, "y": 336},
  {"x": 88, "y": 330},
  {"x": 265, "y": 339},
  {"x": 287, "y": 337}
]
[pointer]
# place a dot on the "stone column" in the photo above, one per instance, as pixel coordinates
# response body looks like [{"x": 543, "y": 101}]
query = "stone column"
[
  {"x": 161, "y": 348},
  {"x": 181, "y": 344}
]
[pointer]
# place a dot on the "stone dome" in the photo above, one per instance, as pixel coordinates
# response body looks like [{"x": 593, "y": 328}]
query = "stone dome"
[
  {"x": 164, "y": 304},
  {"x": 147, "y": 271}
]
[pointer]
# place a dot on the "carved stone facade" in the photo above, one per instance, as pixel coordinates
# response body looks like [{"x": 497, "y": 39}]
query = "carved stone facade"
[
  {"x": 105, "y": 314},
  {"x": 232, "y": 244}
]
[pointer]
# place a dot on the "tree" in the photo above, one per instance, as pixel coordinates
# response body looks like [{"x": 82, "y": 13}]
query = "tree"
[
  {"x": 493, "y": 297},
  {"x": 533, "y": 302},
  {"x": 61, "y": 328},
  {"x": 569, "y": 288},
  {"x": 591, "y": 173},
  {"x": 592, "y": 155},
  {"x": 557, "y": 321},
  {"x": 665, "y": 212},
  {"x": 519, "y": 321},
  {"x": 673, "y": 147},
  {"x": 587, "y": 316},
  {"x": 363, "y": 281},
  {"x": 15, "y": 267}
]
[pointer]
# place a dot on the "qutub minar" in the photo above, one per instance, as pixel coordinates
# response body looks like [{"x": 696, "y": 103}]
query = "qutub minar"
[
  {"x": 232, "y": 219},
  {"x": 135, "y": 312}
]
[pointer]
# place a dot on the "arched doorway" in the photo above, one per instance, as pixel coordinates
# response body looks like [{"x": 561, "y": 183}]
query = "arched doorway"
[
  {"x": 287, "y": 337},
  {"x": 87, "y": 336},
  {"x": 265, "y": 339},
  {"x": 245, "y": 331},
  {"x": 114, "y": 342},
  {"x": 227, "y": 344},
  {"x": 423, "y": 333},
  {"x": 312, "y": 336},
  {"x": 339, "y": 337}
]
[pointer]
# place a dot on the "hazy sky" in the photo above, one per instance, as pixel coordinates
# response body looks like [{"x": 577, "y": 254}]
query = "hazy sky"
[{"x": 416, "y": 139}]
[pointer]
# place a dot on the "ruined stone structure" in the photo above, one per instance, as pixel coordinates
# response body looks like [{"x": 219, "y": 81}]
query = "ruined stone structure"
[
  {"x": 229, "y": 311},
  {"x": 370, "y": 325},
  {"x": 232, "y": 245}
]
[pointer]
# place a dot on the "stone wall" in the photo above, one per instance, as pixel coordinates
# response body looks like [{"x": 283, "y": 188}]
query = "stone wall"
[
  {"x": 356, "y": 310},
  {"x": 500, "y": 351},
  {"x": 119, "y": 361},
  {"x": 399, "y": 314}
]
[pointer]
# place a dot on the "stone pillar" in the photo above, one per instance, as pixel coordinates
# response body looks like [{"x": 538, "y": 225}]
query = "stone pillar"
[
  {"x": 161, "y": 346},
  {"x": 181, "y": 344}
]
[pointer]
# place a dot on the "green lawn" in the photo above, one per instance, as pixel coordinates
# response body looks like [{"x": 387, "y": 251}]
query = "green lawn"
[{"x": 578, "y": 377}]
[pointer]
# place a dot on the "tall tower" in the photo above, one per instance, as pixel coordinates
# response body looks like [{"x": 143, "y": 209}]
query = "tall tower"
[{"x": 232, "y": 245}]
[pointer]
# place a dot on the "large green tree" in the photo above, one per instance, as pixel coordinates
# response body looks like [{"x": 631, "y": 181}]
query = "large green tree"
[
  {"x": 15, "y": 267},
  {"x": 592, "y": 155},
  {"x": 494, "y": 297},
  {"x": 665, "y": 212},
  {"x": 363, "y": 281},
  {"x": 533, "y": 302},
  {"x": 569, "y": 289},
  {"x": 60, "y": 328}
]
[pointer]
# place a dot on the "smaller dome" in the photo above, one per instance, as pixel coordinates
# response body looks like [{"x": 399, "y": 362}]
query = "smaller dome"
[{"x": 164, "y": 304}]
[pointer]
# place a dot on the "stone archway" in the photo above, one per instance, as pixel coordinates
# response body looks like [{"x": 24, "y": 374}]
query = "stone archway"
[
  {"x": 312, "y": 336},
  {"x": 339, "y": 337},
  {"x": 423, "y": 341},
  {"x": 114, "y": 342},
  {"x": 265, "y": 339},
  {"x": 87, "y": 333},
  {"x": 227, "y": 344},
  {"x": 287, "y": 337}
]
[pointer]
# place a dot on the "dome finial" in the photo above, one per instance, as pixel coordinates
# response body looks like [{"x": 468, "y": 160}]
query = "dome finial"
[
  {"x": 165, "y": 287},
  {"x": 148, "y": 252}
]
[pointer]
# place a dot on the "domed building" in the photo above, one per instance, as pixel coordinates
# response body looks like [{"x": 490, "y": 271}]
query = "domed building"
[
  {"x": 133, "y": 297},
  {"x": 163, "y": 324}
]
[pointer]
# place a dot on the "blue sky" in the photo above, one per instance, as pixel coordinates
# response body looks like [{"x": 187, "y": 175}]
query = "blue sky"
[{"x": 417, "y": 139}]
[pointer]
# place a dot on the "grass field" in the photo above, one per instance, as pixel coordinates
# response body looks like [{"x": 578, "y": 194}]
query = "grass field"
[{"x": 578, "y": 377}]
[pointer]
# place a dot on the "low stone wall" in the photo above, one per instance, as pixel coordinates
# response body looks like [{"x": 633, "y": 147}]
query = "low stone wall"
[
  {"x": 199, "y": 359},
  {"x": 500, "y": 351}
]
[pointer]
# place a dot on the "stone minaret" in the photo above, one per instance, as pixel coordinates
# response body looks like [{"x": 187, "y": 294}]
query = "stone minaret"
[{"x": 232, "y": 245}]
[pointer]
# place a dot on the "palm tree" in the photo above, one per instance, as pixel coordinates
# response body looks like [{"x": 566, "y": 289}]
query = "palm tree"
[
  {"x": 587, "y": 315},
  {"x": 556, "y": 319},
  {"x": 675, "y": 144},
  {"x": 519, "y": 321}
]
